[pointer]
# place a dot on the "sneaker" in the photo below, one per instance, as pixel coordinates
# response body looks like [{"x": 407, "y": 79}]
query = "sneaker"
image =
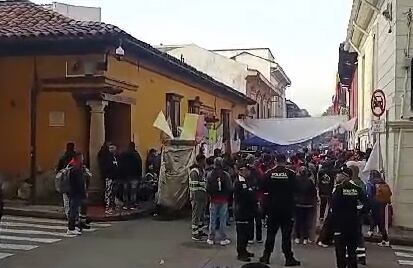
[
  {"x": 321, "y": 244},
  {"x": 297, "y": 241},
  {"x": 369, "y": 234},
  {"x": 197, "y": 237},
  {"x": 306, "y": 241},
  {"x": 73, "y": 232},
  {"x": 384, "y": 244},
  {"x": 265, "y": 259},
  {"x": 125, "y": 208},
  {"x": 243, "y": 258},
  {"x": 109, "y": 212},
  {"x": 84, "y": 225},
  {"x": 260, "y": 241},
  {"x": 225, "y": 242},
  {"x": 250, "y": 242},
  {"x": 292, "y": 262},
  {"x": 202, "y": 234},
  {"x": 210, "y": 242}
]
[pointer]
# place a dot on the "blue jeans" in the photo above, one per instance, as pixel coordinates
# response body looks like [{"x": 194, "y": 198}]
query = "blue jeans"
[
  {"x": 74, "y": 206},
  {"x": 218, "y": 211}
]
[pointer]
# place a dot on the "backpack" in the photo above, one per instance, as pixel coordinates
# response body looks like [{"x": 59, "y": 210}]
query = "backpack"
[
  {"x": 383, "y": 193},
  {"x": 62, "y": 180}
]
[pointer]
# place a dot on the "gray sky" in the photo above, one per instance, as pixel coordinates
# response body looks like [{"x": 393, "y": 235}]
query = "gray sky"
[{"x": 304, "y": 35}]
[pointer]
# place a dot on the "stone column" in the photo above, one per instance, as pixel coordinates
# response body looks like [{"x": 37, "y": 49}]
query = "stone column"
[{"x": 96, "y": 140}]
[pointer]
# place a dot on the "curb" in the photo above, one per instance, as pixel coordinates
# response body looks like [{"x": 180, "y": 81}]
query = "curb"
[{"x": 59, "y": 216}]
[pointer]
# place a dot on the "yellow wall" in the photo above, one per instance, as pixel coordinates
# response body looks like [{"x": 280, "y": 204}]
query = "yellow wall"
[
  {"x": 15, "y": 83},
  {"x": 16, "y": 77},
  {"x": 151, "y": 98}
]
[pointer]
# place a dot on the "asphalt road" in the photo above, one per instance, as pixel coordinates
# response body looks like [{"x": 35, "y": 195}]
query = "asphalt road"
[{"x": 146, "y": 243}]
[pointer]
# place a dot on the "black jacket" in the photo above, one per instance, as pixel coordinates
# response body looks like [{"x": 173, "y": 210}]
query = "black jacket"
[
  {"x": 245, "y": 201},
  {"x": 77, "y": 183},
  {"x": 108, "y": 165},
  {"x": 344, "y": 207},
  {"x": 306, "y": 192},
  {"x": 219, "y": 185},
  {"x": 130, "y": 165},
  {"x": 326, "y": 178},
  {"x": 64, "y": 160},
  {"x": 279, "y": 188}
]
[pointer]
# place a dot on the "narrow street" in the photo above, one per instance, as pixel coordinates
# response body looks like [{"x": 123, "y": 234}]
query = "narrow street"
[{"x": 147, "y": 243}]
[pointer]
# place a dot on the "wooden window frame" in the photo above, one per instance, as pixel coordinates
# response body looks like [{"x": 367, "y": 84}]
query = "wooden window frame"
[
  {"x": 173, "y": 111},
  {"x": 194, "y": 106},
  {"x": 225, "y": 120}
]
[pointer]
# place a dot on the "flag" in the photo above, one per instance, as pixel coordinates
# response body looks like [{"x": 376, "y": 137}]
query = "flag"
[
  {"x": 374, "y": 160},
  {"x": 190, "y": 126},
  {"x": 162, "y": 124}
]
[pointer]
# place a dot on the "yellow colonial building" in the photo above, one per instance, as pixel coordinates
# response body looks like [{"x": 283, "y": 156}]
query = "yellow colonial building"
[{"x": 63, "y": 80}]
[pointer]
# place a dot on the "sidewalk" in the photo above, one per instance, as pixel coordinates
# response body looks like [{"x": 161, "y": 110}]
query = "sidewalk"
[
  {"x": 96, "y": 213},
  {"x": 397, "y": 236}
]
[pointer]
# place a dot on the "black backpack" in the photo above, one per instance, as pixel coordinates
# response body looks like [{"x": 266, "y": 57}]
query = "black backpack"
[{"x": 218, "y": 182}]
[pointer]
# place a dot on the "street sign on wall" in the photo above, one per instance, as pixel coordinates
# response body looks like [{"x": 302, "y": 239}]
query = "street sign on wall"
[
  {"x": 378, "y": 126},
  {"x": 378, "y": 103}
]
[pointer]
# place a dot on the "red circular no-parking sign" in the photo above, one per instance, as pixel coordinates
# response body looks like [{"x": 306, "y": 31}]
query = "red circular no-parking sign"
[{"x": 378, "y": 103}]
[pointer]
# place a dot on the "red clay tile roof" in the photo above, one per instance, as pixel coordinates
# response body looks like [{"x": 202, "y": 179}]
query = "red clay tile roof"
[{"x": 24, "y": 19}]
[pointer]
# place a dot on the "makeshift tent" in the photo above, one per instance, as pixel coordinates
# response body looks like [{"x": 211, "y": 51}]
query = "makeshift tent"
[
  {"x": 173, "y": 187},
  {"x": 287, "y": 131}
]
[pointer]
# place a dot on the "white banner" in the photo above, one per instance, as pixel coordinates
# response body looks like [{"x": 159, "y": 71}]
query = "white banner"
[{"x": 287, "y": 131}]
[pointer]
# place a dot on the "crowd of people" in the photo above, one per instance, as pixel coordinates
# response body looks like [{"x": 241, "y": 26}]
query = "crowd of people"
[
  {"x": 280, "y": 192},
  {"x": 257, "y": 191},
  {"x": 122, "y": 177}
]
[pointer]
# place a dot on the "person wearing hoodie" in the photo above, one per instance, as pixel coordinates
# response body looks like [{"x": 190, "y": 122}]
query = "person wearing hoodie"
[
  {"x": 219, "y": 189},
  {"x": 348, "y": 201},
  {"x": 325, "y": 185},
  {"x": 305, "y": 201},
  {"x": 378, "y": 208},
  {"x": 130, "y": 170},
  {"x": 109, "y": 168},
  {"x": 77, "y": 192}
]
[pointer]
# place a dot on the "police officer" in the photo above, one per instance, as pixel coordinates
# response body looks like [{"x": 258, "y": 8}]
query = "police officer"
[
  {"x": 348, "y": 198},
  {"x": 279, "y": 186},
  {"x": 245, "y": 206}
]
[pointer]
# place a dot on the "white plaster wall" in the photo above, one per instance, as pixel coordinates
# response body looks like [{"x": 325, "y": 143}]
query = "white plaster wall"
[
  {"x": 264, "y": 53},
  {"x": 261, "y": 65},
  {"x": 223, "y": 69},
  {"x": 78, "y": 12}
]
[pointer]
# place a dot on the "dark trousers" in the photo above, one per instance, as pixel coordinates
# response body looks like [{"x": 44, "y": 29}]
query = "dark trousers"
[
  {"x": 361, "y": 247},
  {"x": 258, "y": 227},
  {"x": 378, "y": 212},
  {"x": 324, "y": 201},
  {"x": 303, "y": 222},
  {"x": 275, "y": 222},
  {"x": 244, "y": 228},
  {"x": 346, "y": 244},
  {"x": 74, "y": 206},
  {"x": 327, "y": 233}
]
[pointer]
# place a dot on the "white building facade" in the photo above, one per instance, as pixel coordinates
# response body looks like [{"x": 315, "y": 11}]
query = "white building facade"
[
  {"x": 256, "y": 75},
  {"x": 379, "y": 31},
  {"x": 263, "y": 61},
  {"x": 82, "y": 13}
]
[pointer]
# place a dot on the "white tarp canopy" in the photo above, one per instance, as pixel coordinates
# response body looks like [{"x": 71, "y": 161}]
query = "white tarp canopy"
[{"x": 287, "y": 131}]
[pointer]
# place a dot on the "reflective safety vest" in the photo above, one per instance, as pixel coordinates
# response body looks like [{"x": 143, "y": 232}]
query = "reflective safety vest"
[{"x": 196, "y": 183}]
